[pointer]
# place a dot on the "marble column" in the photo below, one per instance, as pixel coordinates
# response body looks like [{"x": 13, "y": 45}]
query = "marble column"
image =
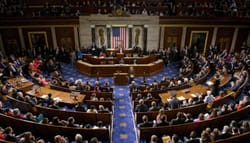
[
  {"x": 1, "y": 45},
  {"x": 130, "y": 36},
  {"x": 214, "y": 36},
  {"x": 108, "y": 36},
  {"x": 145, "y": 39},
  {"x": 162, "y": 33},
  {"x": 236, "y": 30},
  {"x": 53, "y": 33},
  {"x": 76, "y": 35},
  {"x": 183, "y": 37},
  {"x": 93, "y": 33},
  {"x": 20, "y": 34}
]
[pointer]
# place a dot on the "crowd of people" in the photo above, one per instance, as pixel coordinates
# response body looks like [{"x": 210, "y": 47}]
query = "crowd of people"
[
  {"x": 207, "y": 135},
  {"x": 215, "y": 62},
  {"x": 8, "y": 134},
  {"x": 36, "y": 69},
  {"x": 181, "y": 118},
  {"x": 238, "y": 8}
]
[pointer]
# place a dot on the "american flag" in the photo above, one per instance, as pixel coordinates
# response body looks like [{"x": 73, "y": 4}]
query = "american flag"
[{"x": 119, "y": 37}]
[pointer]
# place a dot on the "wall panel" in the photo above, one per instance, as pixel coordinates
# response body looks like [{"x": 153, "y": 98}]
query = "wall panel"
[
  {"x": 199, "y": 29},
  {"x": 172, "y": 35},
  {"x": 45, "y": 30},
  {"x": 224, "y": 38},
  {"x": 65, "y": 37},
  {"x": 243, "y": 34},
  {"x": 11, "y": 41}
]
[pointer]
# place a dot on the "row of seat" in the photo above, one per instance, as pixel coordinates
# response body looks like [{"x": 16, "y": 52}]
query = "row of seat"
[
  {"x": 49, "y": 131},
  {"x": 184, "y": 129}
]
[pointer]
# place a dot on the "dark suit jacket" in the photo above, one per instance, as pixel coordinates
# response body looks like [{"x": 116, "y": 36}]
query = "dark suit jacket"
[
  {"x": 196, "y": 140},
  {"x": 174, "y": 103},
  {"x": 153, "y": 109},
  {"x": 145, "y": 124},
  {"x": 177, "y": 121},
  {"x": 163, "y": 124},
  {"x": 141, "y": 108},
  {"x": 225, "y": 135}
]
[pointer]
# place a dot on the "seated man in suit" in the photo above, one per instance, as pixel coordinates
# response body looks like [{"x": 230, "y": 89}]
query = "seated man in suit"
[
  {"x": 173, "y": 102},
  {"x": 141, "y": 107},
  {"x": 145, "y": 122},
  {"x": 180, "y": 119}
]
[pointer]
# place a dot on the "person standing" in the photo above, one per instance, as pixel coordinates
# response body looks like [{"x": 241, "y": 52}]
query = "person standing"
[
  {"x": 173, "y": 102},
  {"x": 72, "y": 57}
]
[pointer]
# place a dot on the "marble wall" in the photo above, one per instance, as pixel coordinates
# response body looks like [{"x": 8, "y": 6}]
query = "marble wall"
[{"x": 151, "y": 23}]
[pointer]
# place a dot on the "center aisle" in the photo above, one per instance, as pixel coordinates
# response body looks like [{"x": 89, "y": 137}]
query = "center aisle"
[
  {"x": 124, "y": 130},
  {"x": 123, "y": 122}
]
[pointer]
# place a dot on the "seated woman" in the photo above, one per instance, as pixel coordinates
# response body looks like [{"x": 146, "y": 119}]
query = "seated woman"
[
  {"x": 92, "y": 109},
  {"x": 97, "y": 89},
  {"x": 102, "y": 55},
  {"x": 106, "y": 87},
  {"x": 34, "y": 66},
  {"x": 40, "y": 79}
]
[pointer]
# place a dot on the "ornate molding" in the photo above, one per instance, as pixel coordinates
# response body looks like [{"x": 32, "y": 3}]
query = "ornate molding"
[{"x": 119, "y": 13}]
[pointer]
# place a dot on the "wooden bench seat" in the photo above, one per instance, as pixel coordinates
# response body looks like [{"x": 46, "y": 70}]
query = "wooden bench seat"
[
  {"x": 194, "y": 110},
  {"x": 185, "y": 129},
  {"x": 241, "y": 138},
  {"x": 147, "y": 102},
  {"x": 157, "y": 92},
  {"x": 106, "y": 104},
  {"x": 49, "y": 131},
  {"x": 239, "y": 90},
  {"x": 80, "y": 117},
  {"x": 105, "y": 95}
]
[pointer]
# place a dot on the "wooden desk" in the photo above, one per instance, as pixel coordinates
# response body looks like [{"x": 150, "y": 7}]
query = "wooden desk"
[
  {"x": 185, "y": 93},
  {"x": 115, "y": 60},
  {"x": 224, "y": 79},
  {"x": 108, "y": 70},
  {"x": 120, "y": 78},
  {"x": 63, "y": 97},
  {"x": 124, "y": 51},
  {"x": 21, "y": 83}
]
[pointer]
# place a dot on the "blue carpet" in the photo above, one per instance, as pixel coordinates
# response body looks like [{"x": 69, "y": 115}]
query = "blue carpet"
[{"x": 124, "y": 128}]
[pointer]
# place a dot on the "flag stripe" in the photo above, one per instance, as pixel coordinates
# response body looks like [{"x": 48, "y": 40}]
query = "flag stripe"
[{"x": 119, "y": 37}]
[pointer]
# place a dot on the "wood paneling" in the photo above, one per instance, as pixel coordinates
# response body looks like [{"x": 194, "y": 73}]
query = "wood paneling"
[
  {"x": 209, "y": 37},
  {"x": 39, "y": 21},
  {"x": 11, "y": 41},
  {"x": 172, "y": 35},
  {"x": 224, "y": 38},
  {"x": 243, "y": 34},
  {"x": 38, "y": 29},
  {"x": 210, "y": 21},
  {"x": 65, "y": 37}
]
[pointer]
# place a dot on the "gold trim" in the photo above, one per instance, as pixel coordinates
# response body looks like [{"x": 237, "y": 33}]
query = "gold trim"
[
  {"x": 119, "y": 25},
  {"x": 199, "y": 32},
  {"x": 38, "y": 32},
  {"x": 36, "y": 26},
  {"x": 193, "y": 25}
]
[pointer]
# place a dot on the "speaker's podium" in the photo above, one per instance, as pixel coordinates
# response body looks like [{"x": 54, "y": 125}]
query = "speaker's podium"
[{"x": 120, "y": 78}]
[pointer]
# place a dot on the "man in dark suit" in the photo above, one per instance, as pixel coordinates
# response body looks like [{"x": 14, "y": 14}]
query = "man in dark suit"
[
  {"x": 193, "y": 138},
  {"x": 216, "y": 86},
  {"x": 173, "y": 102},
  {"x": 163, "y": 122},
  {"x": 145, "y": 122},
  {"x": 153, "y": 106},
  {"x": 225, "y": 132},
  {"x": 141, "y": 107},
  {"x": 179, "y": 119}
]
